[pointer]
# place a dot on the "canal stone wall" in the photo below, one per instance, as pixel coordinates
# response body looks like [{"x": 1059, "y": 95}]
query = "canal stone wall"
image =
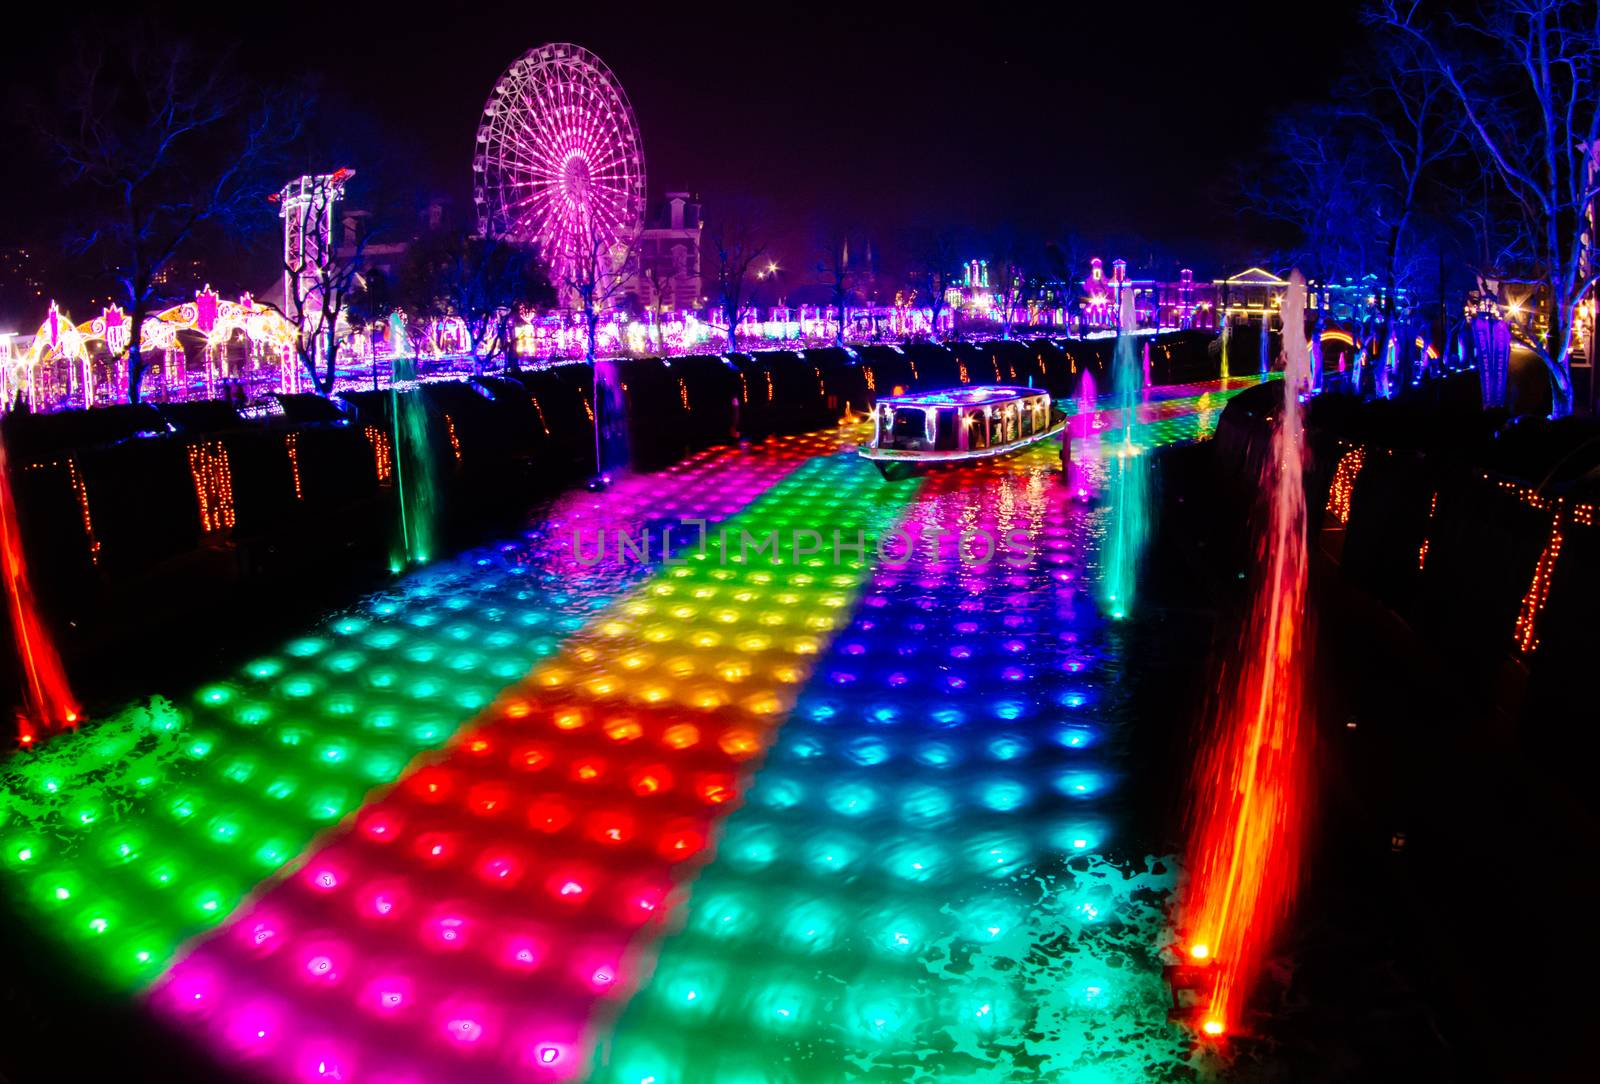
[
  {"x": 1475, "y": 532},
  {"x": 140, "y": 521}
]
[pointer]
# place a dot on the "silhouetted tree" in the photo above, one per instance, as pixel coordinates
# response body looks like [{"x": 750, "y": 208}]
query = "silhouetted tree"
[
  {"x": 1317, "y": 178},
  {"x": 1525, "y": 75},
  {"x": 1064, "y": 258},
  {"x": 1006, "y": 275},
  {"x": 1313, "y": 180},
  {"x": 597, "y": 277},
  {"x": 938, "y": 256},
  {"x": 738, "y": 242},
  {"x": 1407, "y": 130},
  {"x": 481, "y": 281},
  {"x": 657, "y": 280},
  {"x": 162, "y": 134},
  {"x": 372, "y": 297},
  {"x": 838, "y": 273}
]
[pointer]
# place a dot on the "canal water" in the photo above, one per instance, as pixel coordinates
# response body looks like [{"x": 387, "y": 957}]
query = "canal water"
[{"x": 849, "y": 805}]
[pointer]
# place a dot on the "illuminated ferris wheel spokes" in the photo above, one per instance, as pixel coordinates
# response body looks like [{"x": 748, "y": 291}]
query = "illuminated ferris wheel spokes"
[{"x": 559, "y": 161}]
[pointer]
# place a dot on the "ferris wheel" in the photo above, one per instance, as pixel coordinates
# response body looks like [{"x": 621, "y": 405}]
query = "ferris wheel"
[{"x": 559, "y": 161}]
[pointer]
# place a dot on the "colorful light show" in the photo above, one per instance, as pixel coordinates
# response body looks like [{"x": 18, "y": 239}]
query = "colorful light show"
[
  {"x": 914, "y": 597},
  {"x": 449, "y": 831},
  {"x": 231, "y": 790},
  {"x": 920, "y": 855},
  {"x": 201, "y": 345}
]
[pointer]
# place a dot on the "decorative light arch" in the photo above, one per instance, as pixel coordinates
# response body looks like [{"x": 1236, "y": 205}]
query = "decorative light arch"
[{"x": 73, "y": 364}]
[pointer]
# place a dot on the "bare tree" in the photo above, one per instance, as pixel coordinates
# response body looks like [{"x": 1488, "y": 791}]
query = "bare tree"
[
  {"x": 1008, "y": 280},
  {"x": 1314, "y": 181},
  {"x": 839, "y": 275},
  {"x": 1523, "y": 74},
  {"x": 937, "y": 260},
  {"x": 1318, "y": 177},
  {"x": 480, "y": 281},
  {"x": 1402, "y": 106},
  {"x": 738, "y": 243},
  {"x": 1063, "y": 258},
  {"x": 599, "y": 274},
  {"x": 321, "y": 279},
  {"x": 161, "y": 131},
  {"x": 1006, "y": 277},
  {"x": 657, "y": 280}
]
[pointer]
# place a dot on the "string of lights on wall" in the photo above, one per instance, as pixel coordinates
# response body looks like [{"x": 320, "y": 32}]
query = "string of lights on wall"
[
  {"x": 382, "y": 452},
  {"x": 1344, "y": 483},
  {"x": 1427, "y": 535},
  {"x": 213, "y": 484},
  {"x": 1563, "y": 514},
  {"x": 291, "y": 448}
]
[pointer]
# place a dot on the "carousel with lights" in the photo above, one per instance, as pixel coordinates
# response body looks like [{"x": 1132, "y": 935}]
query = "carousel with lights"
[{"x": 924, "y": 429}]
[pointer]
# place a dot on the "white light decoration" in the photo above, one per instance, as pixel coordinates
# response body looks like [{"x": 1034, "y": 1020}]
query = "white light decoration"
[{"x": 307, "y": 207}]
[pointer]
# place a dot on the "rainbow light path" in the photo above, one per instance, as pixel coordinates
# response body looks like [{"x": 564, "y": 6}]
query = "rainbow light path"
[{"x": 532, "y": 816}]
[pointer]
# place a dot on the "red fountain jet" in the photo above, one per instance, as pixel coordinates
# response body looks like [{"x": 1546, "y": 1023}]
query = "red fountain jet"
[
  {"x": 48, "y": 703},
  {"x": 1250, "y": 793}
]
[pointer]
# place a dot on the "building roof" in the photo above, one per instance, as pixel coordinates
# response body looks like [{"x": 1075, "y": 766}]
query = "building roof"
[{"x": 1254, "y": 276}]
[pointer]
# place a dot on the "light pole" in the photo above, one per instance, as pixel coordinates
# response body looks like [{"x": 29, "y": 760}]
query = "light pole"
[{"x": 771, "y": 272}]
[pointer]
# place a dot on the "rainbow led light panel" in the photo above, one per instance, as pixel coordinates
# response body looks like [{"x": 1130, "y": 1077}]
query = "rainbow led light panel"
[
  {"x": 907, "y": 773},
  {"x": 148, "y": 828}
]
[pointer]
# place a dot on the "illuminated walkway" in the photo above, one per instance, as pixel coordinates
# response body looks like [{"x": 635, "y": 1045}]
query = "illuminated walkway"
[{"x": 909, "y": 888}]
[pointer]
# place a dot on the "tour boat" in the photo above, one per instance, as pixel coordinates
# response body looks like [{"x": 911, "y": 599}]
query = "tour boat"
[{"x": 924, "y": 428}]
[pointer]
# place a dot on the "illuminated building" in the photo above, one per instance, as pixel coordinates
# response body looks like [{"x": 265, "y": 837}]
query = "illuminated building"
[
  {"x": 1253, "y": 296},
  {"x": 1156, "y": 303},
  {"x": 1254, "y": 293},
  {"x": 669, "y": 256}
]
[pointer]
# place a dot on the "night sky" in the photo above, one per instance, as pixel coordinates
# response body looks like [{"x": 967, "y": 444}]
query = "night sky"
[{"x": 1116, "y": 122}]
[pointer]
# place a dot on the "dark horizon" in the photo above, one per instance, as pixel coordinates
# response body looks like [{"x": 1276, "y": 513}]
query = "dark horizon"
[{"x": 1124, "y": 139}]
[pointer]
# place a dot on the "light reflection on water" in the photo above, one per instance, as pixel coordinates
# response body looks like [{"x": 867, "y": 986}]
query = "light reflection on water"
[
  {"x": 151, "y": 826},
  {"x": 504, "y": 891},
  {"x": 915, "y": 888}
]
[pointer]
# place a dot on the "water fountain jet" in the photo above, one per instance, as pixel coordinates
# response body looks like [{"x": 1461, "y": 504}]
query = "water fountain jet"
[
  {"x": 1249, "y": 794},
  {"x": 610, "y": 423},
  {"x": 415, "y": 485},
  {"x": 1130, "y": 499},
  {"x": 48, "y": 705}
]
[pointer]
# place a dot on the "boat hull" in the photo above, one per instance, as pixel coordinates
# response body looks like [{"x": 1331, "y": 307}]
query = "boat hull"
[{"x": 896, "y": 463}]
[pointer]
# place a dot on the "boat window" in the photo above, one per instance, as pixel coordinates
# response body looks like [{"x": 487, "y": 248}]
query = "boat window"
[
  {"x": 909, "y": 428},
  {"x": 945, "y": 431}
]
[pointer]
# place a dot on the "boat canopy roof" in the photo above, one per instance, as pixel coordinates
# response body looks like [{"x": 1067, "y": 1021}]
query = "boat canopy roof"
[{"x": 978, "y": 395}]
